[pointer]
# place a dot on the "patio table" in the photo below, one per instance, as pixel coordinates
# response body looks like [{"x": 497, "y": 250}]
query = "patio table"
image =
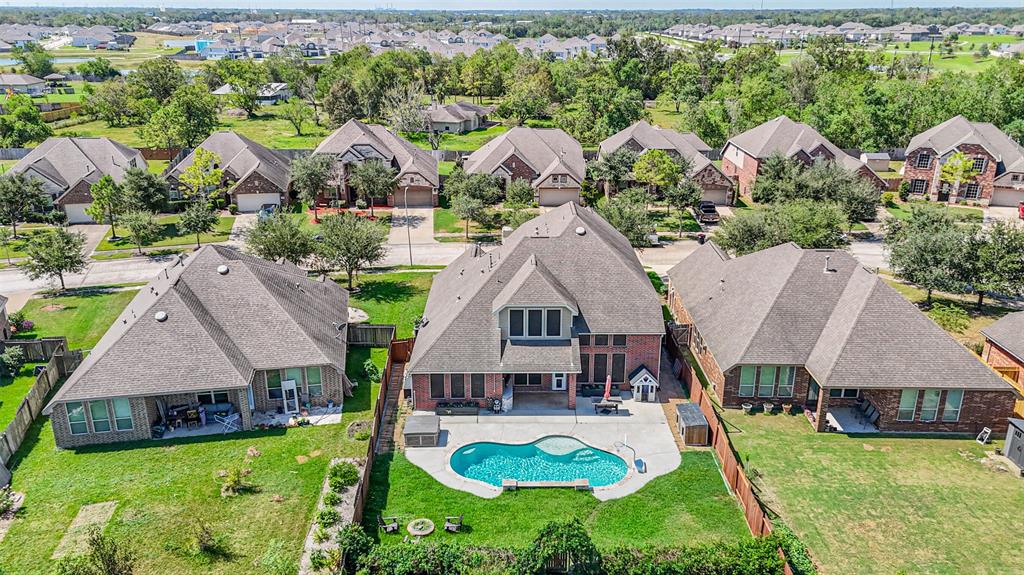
[{"x": 420, "y": 527}]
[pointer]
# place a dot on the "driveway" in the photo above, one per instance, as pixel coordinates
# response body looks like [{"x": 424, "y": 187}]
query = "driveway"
[
  {"x": 242, "y": 221},
  {"x": 416, "y": 228},
  {"x": 1001, "y": 213},
  {"x": 662, "y": 258},
  {"x": 94, "y": 234}
]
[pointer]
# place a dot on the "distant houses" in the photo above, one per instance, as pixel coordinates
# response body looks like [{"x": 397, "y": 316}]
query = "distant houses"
[
  {"x": 457, "y": 118},
  {"x": 22, "y": 84}
]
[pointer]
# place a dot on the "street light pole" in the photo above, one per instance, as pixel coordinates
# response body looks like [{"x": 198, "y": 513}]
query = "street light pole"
[{"x": 408, "y": 224}]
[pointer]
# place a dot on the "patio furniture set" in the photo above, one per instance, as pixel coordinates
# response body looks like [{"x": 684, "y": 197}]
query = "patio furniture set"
[{"x": 419, "y": 527}]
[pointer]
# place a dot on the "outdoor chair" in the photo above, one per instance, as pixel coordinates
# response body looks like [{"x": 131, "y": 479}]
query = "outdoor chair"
[
  {"x": 453, "y": 524},
  {"x": 231, "y": 422},
  {"x": 388, "y": 524}
]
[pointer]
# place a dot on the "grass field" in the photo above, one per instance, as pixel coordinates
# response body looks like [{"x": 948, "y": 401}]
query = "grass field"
[
  {"x": 902, "y": 211},
  {"x": 396, "y": 298},
  {"x": 870, "y": 504},
  {"x": 673, "y": 221},
  {"x": 147, "y": 46},
  {"x": 82, "y": 316},
  {"x": 16, "y": 248},
  {"x": 13, "y": 390},
  {"x": 170, "y": 236},
  {"x": 687, "y": 506},
  {"x": 979, "y": 319},
  {"x": 462, "y": 142}
]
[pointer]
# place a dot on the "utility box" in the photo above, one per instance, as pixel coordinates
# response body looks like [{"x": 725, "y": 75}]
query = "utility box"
[
  {"x": 422, "y": 431},
  {"x": 693, "y": 426}
]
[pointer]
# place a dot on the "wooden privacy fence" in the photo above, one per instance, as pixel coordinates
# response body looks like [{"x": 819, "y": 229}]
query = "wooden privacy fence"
[
  {"x": 399, "y": 351},
  {"x": 371, "y": 334},
  {"x": 36, "y": 350}
]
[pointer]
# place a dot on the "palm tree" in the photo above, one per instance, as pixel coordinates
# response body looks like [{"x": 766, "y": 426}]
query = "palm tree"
[{"x": 373, "y": 179}]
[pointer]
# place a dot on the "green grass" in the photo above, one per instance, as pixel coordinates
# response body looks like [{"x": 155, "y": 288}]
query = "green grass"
[
  {"x": 687, "y": 506},
  {"x": 392, "y": 298},
  {"x": 157, "y": 166},
  {"x": 16, "y": 248},
  {"x": 133, "y": 254},
  {"x": 870, "y": 504},
  {"x": 670, "y": 222},
  {"x": 170, "y": 236},
  {"x": 13, "y": 390},
  {"x": 979, "y": 318},
  {"x": 901, "y": 211},
  {"x": 82, "y": 316},
  {"x": 147, "y": 46},
  {"x": 445, "y": 168},
  {"x": 462, "y": 142},
  {"x": 354, "y": 360},
  {"x": 445, "y": 221}
]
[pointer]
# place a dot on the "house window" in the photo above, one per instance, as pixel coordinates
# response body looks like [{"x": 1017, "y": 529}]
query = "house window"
[
  {"x": 748, "y": 374},
  {"x": 908, "y": 405},
  {"x": 476, "y": 385},
  {"x": 584, "y": 339},
  {"x": 458, "y": 385},
  {"x": 535, "y": 322},
  {"x": 519, "y": 379},
  {"x": 584, "y": 376},
  {"x": 122, "y": 414},
  {"x": 533, "y": 379},
  {"x": 979, "y": 164},
  {"x": 918, "y": 186},
  {"x": 100, "y": 416},
  {"x": 600, "y": 367},
  {"x": 930, "y": 405},
  {"x": 841, "y": 393},
  {"x": 274, "y": 385},
  {"x": 1015, "y": 178},
  {"x": 211, "y": 397},
  {"x": 619, "y": 340},
  {"x": 554, "y": 325},
  {"x": 515, "y": 322},
  {"x": 436, "y": 385},
  {"x": 924, "y": 160},
  {"x": 787, "y": 376},
  {"x": 294, "y": 374},
  {"x": 951, "y": 410},
  {"x": 766, "y": 383},
  {"x": 314, "y": 382},
  {"x": 972, "y": 191},
  {"x": 601, "y": 340},
  {"x": 76, "y": 418},
  {"x": 619, "y": 367}
]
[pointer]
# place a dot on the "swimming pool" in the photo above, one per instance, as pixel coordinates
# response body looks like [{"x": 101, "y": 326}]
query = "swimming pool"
[{"x": 551, "y": 458}]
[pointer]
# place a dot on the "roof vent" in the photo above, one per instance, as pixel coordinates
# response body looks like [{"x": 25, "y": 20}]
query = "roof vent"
[
  {"x": 828, "y": 268},
  {"x": 222, "y": 269},
  {"x": 581, "y": 231},
  {"x": 160, "y": 316}
]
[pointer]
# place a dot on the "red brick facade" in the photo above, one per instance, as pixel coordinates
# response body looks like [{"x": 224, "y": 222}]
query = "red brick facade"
[
  {"x": 744, "y": 175},
  {"x": 493, "y": 386},
  {"x": 932, "y": 181},
  {"x": 639, "y": 350},
  {"x": 255, "y": 183},
  {"x": 518, "y": 169}
]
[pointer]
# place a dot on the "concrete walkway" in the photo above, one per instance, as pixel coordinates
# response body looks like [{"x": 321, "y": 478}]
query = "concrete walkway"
[{"x": 642, "y": 426}]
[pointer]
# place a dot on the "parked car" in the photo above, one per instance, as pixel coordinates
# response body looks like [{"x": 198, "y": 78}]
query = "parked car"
[
  {"x": 266, "y": 210},
  {"x": 707, "y": 213}
]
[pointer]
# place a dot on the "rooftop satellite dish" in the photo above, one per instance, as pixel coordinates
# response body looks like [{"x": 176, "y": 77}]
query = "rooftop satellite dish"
[
  {"x": 160, "y": 316},
  {"x": 222, "y": 270}
]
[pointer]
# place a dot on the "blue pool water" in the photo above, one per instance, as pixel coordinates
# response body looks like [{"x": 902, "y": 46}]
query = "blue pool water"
[{"x": 551, "y": 458}]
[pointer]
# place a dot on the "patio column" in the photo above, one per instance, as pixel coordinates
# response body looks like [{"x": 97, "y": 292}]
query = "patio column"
[
  {"x": 819, "y": 415},
  {"x": 571, "y": 386}
]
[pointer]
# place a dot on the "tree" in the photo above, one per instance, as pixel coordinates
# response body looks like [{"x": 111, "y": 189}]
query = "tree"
[
  {"x": 53, "y": 254},
  {"x": 201, "y": 178},
  {"x": 686, "y": 195},
  {"x": 142, "y": 227},
  {"x": 144, "y": 190},
  {"x": 114, "y": 103},
  {"x": 34, "y": 59},
  {"x": 97, "y": 69},
  {"x": 158, "y": 78},
  {"x": 311, "y": 175},
  {"x": 184, "y": 121},
  {"x": 246, "y": 79},
  {"x": 5, "y": 242},
  {"x": 19, "y": 196},
  {"x": 403, "y": 111},
  {"x": 926, "y": 249},
  {"x": 956, "y": 170},
  {"x": 105, "y": 556},
  {"x": 297, "y": 112},
  {"x": 520, "y": 192},
  {"x": 22, "y": 123},
  {"x": 810, "y": 225},
  {"x": 351, "y": 243},
  {"x": 614, "y": 168},
  {"x": 656, "y": 169},
  {"x": 373, "y": 179},
  {"x": 471, "y": 195},
  {"x": 108, "y": 202},
  {"x": 566, "y": 541},
  {"x": 627, "y": 212},
  {"x": 279, "y": 236},
  {"x": 198, "y": 219},
  {"x": 342, "y": 102},
  {"x": 993, "y": 261},
  {"x": 11, "y": 361},
  {"x": 528, "y": 99}
]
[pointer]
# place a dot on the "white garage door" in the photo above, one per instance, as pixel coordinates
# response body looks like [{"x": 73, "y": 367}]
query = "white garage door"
[
  {"x": 416, "y": 199},
  {"x": 720, "y": 197},
  {"x": 1012, "y": 198},
  {"x": 76, "y": 214},
  {"x": 252, "y": 202},
  {"x": 556, "y": 197}
]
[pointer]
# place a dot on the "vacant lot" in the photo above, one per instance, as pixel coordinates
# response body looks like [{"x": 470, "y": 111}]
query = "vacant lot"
[
  {"x": 170, "y": 235},
  {"x": 82, "y": 316},
  {"x": 688, "y": 506},
  {"x": 867, "y": 504},
  {"x": 393, "y": 298}
]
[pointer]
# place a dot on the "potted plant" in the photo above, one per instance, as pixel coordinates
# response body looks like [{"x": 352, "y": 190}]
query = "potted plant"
[
  {"x": 788, "y": 408},
  {"x": 747, "y": 408},
  {"x": 768, "y": 407}
]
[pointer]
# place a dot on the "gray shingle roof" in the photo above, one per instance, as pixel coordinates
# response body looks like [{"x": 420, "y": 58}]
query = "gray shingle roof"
[
  {"x": 219, "y": 328},
  {"x": 786, "y": 137},
  {"x": 597, "y": 270},
  {"x": 67, "y": 161},
  {"x": 457, "y": 112},
  {"x": 546, "y": 150},
  {"x": 848, "y": 327},
  {"x": 686, "y": 144},
  {"x": 408, "y": 157},
  {"x": 240, "y": 156},
  {"x": 958, "y": 130},
  {"x": 1008, "y": 333}
]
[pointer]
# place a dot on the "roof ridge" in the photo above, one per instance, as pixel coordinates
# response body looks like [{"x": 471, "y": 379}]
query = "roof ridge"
[
  {"x": 775, "y": 298},
  {"x": 205, "y": 319},
  {"x": 848, "y": 333}
]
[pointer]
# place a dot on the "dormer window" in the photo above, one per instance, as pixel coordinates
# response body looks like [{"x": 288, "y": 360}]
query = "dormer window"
[
  {"x": 535, "y": 322},
  {"x": 924, "y": 160}
]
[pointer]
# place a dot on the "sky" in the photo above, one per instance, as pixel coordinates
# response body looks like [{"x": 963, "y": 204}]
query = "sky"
[{"x": 520, "y": 4}]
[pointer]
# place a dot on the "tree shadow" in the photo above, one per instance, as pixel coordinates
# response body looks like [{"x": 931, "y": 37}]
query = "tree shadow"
[
  {"x": 377, "y": 497},
  {"x": 385, "y": 291}
]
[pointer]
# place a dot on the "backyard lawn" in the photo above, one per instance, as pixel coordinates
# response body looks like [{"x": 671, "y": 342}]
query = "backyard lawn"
[
  {"x": 170, "y": 236},
  {"x": 898, "y": 504},
  {"x": 13, "y": 390},
  {"x": 687, "y": 506},
  {"x": 396, "y": 298},
  {"x": 81, "y": 315},
  {"x": 467, "y": 142}
]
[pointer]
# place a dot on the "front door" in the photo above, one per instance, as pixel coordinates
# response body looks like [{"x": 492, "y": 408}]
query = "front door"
[
  {"x": 943, "y": 192},
  {"x": 812, "y": 393},
  {"x": 291, "y": 396},
  {"x": 557, "y": 382}
]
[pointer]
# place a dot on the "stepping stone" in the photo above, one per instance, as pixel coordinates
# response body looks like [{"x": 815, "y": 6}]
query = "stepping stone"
[{"x": 76, "y": 537}]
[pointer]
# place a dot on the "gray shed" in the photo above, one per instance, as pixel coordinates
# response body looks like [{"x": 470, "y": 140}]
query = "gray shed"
[
  {"x": 1014, "y": 447},
  {"x": 422, "y": 430},
  {"x": 693, "y": 426}
]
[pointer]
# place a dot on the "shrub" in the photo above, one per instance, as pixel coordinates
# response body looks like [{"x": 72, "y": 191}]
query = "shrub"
[
  {"x": 372, "y": 370},
  {"x": 331, "y": 499},
  {"x": 888, "y": 199},
  {"x": 904, "y": 190},
  {"x": 320, "y": 534},
  {"x": 206, "y": 542},
  {"x": 327, "y": 560},
  {"x": 445, "y": 557},
  {"x": 6, "y": 501},
  {"x": 354, "y": 545},
  {"x": 235, "y": 483},
  {"x": 360, "y": 204},
  {"x": 796, "y": 552},
  {"x": 233, "y": 209},
  {"x": 328, "y": 517},
  {"x": 561, "y": 538},
  {"x": 275, "y": 561},
  {"x": 16, "y": 320},
  {"x": 11, "y": 361},
  {"x": 951, "y": 318},
  {"x": 362, "y": 435},
  {"x": 343, "y": 474}
]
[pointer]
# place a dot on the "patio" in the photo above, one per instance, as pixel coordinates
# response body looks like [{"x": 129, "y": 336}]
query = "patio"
[
  {"x": 848, "y": 420},
  {"x": 316, "y": 416}
]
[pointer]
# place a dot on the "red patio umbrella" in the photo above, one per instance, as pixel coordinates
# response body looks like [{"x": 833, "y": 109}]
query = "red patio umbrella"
[{"x": 608, "y": 388}]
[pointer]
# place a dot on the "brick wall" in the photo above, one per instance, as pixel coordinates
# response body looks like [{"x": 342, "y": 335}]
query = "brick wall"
[
  {"x": 256, "y": 183},
  {"x": 493, "y": 385},
  {"x": 330, "y": 379},
  {"x": 639, "y": 350},
  {"x": 745, "y": 176},
  {"x": 979, "y": 409},
  {"x": 518, "y": 169},
  {"x": 730, "y": 395},
  {"x": 999, "y": 357},
  {"x": 66, "y": 440},
  {"x": 703, "y": 356},
  {"x": 932, "y": 174}
]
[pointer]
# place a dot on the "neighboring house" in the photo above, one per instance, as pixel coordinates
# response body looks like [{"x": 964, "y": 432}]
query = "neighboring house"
[
  {"x": 560, "y": 306},
  {"x": 548, "y": 158},
  {"x": 68, "y": 167},
  {"x": 457, "y": 118},
  {"x": 268, "y": 95},
  {"x": 1004, "y": 350},
  {"x": 642, "y": 136},
  {"x": 220, "y": 331},
  {"x": 744, "y": 154},
  {"x": 5, "y": 324},
  {"x": 997, "y": 158},
  {"x": 253, "y": 174},
  {"x": 22, "y": 84},
  {"x": 815, "y": 329},
  {"x": 356, "y": 142}
]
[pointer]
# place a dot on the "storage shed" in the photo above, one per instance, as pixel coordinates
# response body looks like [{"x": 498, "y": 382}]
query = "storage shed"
[
  {"x": 422, "y": 431},
  {"x": 1014, "y": 448},
  {"x": 693, "y": 426}
]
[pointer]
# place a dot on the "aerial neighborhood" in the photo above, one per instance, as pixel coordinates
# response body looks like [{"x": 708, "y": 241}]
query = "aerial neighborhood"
[{"x": 300, "y": 292}]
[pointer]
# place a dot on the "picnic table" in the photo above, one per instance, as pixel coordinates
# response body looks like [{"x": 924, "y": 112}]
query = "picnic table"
[{"x": 610, "y": 405}]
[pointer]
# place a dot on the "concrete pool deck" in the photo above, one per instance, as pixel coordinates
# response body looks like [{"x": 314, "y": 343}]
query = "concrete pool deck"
[{"x": 643, "y": 426}]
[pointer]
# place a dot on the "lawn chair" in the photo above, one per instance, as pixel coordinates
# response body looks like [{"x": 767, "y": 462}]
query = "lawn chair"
[
  {"x": 453, "y": 524},
  {"x": 388, "y": 524},
  {"x": 230, "y": 422}
]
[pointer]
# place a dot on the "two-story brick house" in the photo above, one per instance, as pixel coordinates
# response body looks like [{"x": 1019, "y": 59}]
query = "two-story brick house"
[
  {"x": 641, "y": 136},
  {"x": 743, "y": 154},
  {"x": 356, "y": 142},
  {"x": 996, "y": 158},
  {"x": 813, "y": 328},
  {"x": 551, "y": 160},
  {"x": 560, "y": 306},
  {"x": 219, "y": 333},
  {"x": 1004, "y": 350}
]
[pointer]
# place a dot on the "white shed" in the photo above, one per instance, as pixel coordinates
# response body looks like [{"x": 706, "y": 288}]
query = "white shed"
[{"x": 643, "y": 384}]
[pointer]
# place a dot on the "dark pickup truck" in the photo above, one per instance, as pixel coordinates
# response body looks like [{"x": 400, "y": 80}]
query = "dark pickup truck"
[{"x": 707, "y": 213}]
